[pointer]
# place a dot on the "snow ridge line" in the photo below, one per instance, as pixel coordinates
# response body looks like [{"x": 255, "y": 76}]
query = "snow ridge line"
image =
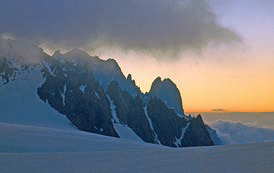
[{"x": 151, "y": 126}]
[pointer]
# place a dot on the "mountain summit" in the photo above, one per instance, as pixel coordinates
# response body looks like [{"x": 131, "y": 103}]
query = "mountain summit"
[
  {"x": 167, "y": 91},
  {"x": 92, "y": 95}
]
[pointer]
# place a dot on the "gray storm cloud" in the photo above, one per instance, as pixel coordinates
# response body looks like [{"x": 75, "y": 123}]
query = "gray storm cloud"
[{"x": 163, "y": 26}]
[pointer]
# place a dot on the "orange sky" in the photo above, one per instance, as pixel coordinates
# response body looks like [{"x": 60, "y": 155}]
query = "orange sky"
[
  {"x": 240, "y": 81},
  {"x": 236, "y": 78},
  {"x": 236, "y": 74}
]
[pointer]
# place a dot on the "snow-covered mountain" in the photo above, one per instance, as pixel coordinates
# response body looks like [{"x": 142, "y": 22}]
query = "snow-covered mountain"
[
  {"x": 20, "y": 76},
  {"x": 103, "y": 71},
  {"x": 76, "y": 90}
]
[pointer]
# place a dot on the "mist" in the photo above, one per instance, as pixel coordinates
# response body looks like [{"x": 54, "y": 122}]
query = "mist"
[{"x": 232, "y": 132}]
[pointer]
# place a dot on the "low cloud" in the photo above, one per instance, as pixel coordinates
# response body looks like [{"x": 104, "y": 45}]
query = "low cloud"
[
  {"x": 240, "y": 133},
  {"x": 218, "y": 110},
  {"x": 154, "y": 26},
  {"x": 7, "y": 36}
]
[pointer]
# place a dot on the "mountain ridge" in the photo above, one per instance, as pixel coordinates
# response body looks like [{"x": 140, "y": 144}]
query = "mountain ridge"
[{"x": 87, "y": 90}]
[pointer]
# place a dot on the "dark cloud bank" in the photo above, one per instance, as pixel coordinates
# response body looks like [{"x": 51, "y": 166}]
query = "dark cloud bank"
[{"x": 165, "y": 26}]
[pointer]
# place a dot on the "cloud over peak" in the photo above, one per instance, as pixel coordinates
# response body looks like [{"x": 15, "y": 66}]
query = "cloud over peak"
[{"x": 163, "y": 26}]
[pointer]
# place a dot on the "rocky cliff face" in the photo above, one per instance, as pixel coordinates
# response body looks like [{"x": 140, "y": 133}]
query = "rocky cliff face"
[
  {"x": 167, "y": 91},
  {"x": 104, "y": 71},
  {"x": 196, "y": 134},
  {"x": 73, "y": 91},
  {"x": 130, "y": 111},
  {"x": 95, "y": 95},
  {"x": 166, "y": 123}
]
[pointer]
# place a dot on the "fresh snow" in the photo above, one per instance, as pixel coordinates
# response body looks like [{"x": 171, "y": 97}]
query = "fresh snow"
[
  {"x": 126, "y": 132},
  {"x": 171, "y": 107},
  {"x": 151, "y": 126},
  {"x": 63, "y": 94},
  {"x": 113, "y": 111},
  {"x": 180, "y": 115},
  {"x": 20, "y": 103},
  {"x": 25, "y": 148},
  {"x": 97, "y": 95},
  {"x": 123, "y": 131},
  {"x": 47, "y": 68},
  {"x": 82, "y": 88},
  {"x": 178, "y": 141}
]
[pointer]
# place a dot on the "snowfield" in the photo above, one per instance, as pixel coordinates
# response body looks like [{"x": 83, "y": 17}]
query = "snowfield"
[
  {"x": 19, "y": 104},
  {"x": 25, "y": 148}
]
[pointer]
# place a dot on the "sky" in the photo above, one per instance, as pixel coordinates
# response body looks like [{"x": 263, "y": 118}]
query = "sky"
[{"x": 219, "y": 53}]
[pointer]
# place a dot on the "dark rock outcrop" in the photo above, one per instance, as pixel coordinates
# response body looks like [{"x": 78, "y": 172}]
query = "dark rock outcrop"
[
  {"x": 130, "y": 111},
  {"x": 167, "y": 91},
  {"x": 166, "y": 123},
  {"x": 104, "y": 71},
  {"x": 214, "y": 136},
  {"x": 74, "y": 92},
  {"x": 196, "y": 134}
]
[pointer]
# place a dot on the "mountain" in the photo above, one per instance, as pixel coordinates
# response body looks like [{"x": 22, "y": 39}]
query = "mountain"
[
  {"x": 20, "y": 76},
  {"x": 167, "y": 91},
  {"x": 104, "y": 71},
  {"x": 92, "y": 95}
]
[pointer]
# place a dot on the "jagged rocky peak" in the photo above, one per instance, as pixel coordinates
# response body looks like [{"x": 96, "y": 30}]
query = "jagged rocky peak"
[
  {"x": 104, "y": 71},
  {"x": 197, "y": 134},
  {"x": 129, "y": 79},
  {"x": 130, "y": 111},
  {"x": 167, "y": 91}
]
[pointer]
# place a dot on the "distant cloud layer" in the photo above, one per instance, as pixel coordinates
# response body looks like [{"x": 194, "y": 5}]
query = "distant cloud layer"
[
  {"x": 163, "y": 26},
  {"x": 218, "y": 110},
  {"x": 241, "y": 133}
]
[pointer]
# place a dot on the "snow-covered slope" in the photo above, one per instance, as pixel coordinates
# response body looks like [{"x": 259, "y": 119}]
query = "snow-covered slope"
[
  {"x": 20, "y": 104},
  {"x": 20, "y": 76},
  {"x": 39, "y": 149}
]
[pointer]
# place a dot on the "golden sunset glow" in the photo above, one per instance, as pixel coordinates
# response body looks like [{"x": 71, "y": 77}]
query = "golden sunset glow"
[
  {"x": 244, "y": 85},
  {"x": 227, "y": 64}
]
